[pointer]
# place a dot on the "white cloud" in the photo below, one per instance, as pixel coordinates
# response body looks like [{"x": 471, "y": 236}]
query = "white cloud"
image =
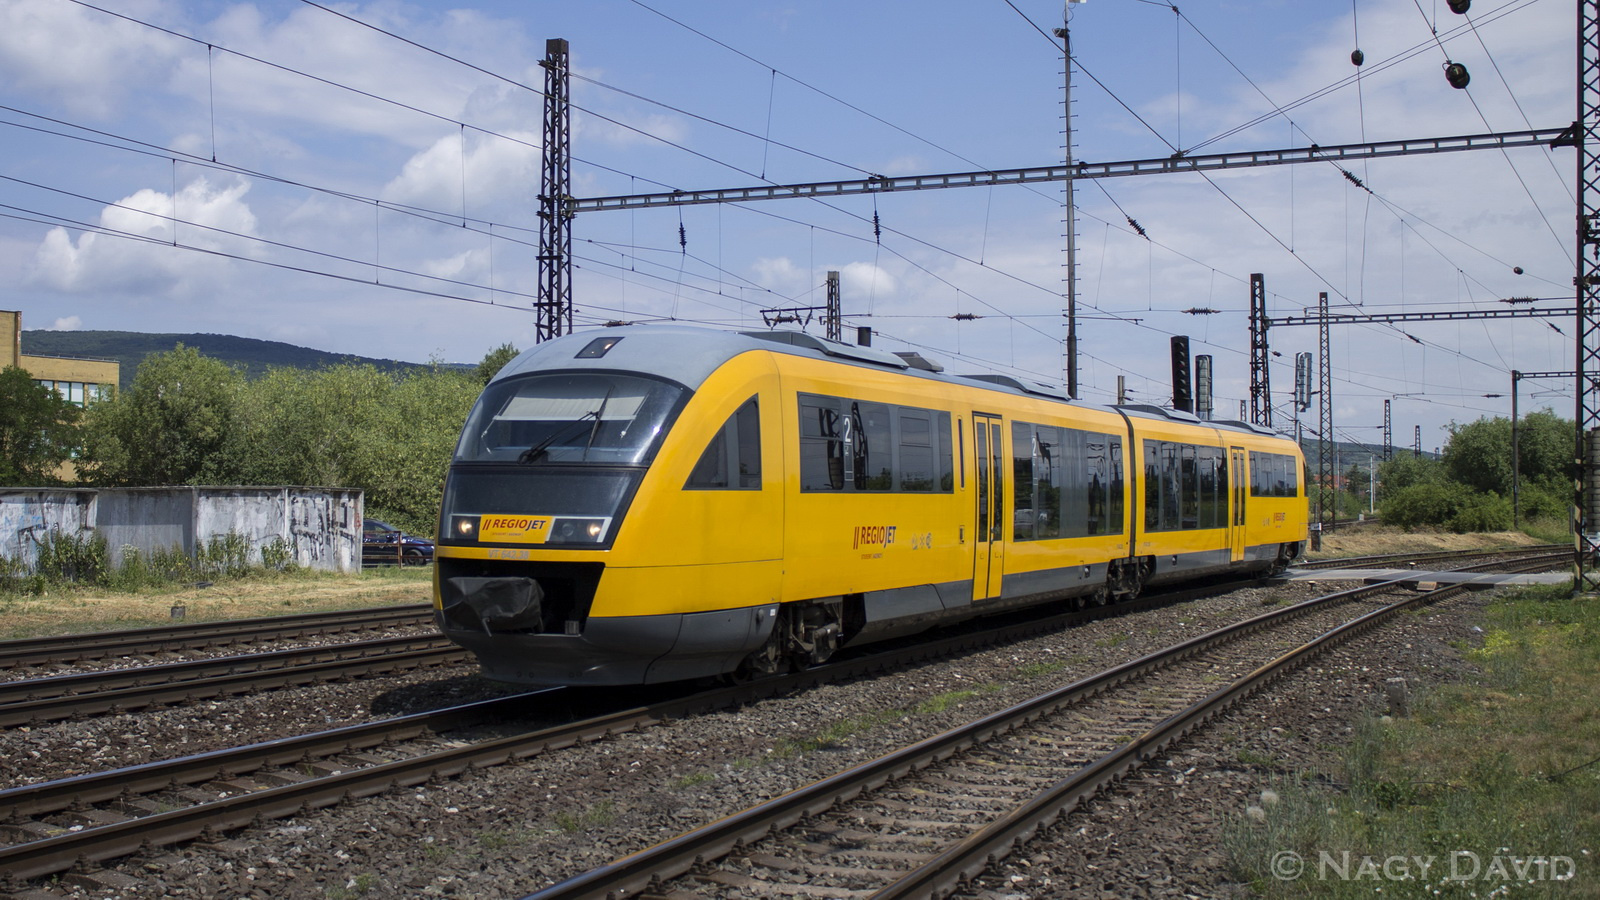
[
  {"x": 494, "y": 173},
  {"x": 134, "y": 251},
  {"x": 66, "y": 323},
  {"x": 863, "y": 279},
  {"x": 85, "y": 60}
]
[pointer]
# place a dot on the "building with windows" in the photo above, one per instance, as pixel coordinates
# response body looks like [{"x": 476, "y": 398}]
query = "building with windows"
[{"x": 80, "y": 381}]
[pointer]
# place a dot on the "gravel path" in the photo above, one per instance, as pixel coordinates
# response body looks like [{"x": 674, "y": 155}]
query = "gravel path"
[{"x": 507, "y": 830}]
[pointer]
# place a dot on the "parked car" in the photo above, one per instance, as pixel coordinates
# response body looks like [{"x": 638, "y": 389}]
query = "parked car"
[{"x": 384, "y": 544}]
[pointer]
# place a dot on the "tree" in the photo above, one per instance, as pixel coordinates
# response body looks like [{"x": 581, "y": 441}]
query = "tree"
[
  {"x": 353, "y": 426},
  {"x": 1545, "y": 447},
  {"x": 172, "y": 426},
  {"x": 1479, "y": 453},
  {"x": 38, "y": 430},
  {"x": 1407, "y": 470},
  {"x": 494, "y": 361}
]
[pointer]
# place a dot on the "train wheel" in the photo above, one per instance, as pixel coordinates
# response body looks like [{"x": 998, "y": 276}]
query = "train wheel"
[
  {"x": 766, "y": 661},
  {"x": 1125, "y": 580}
]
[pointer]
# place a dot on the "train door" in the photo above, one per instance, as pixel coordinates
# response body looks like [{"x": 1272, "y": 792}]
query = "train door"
[
  {"x": 989, "y": 561},
  {"x": 1237, "y": 472}
]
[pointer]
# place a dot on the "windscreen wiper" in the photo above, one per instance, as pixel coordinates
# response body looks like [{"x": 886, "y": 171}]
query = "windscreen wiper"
[
  {"x": 598, "y": 415},
  {"x": 538, "y": 451}
]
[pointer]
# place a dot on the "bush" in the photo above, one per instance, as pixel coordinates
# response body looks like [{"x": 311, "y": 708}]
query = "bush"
[
  {"x": 84, "y": 560},
  {"x": 72, "y": 557},
  {"x": 1482, "y": 512},
  {"x": 1433, "y": 503}
]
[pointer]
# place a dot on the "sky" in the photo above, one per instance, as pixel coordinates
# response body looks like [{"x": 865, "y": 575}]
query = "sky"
[{"x": 362, "y": 178}]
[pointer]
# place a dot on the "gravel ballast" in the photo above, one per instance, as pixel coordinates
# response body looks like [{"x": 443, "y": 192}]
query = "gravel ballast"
[{"x": 508, "y": 830}]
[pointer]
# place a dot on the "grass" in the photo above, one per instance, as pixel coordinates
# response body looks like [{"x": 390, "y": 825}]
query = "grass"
[
  {"x": 359, "y": 886},
  {"x": 1491, "y": 787},
  {"x": 839, "y": 732},
  {"x": 74, "y": 609},
  {"x": 597, "y": 816}
]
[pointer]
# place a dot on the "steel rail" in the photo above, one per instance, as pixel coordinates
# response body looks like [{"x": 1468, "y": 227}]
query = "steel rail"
[
  {"x": 674, "y": 857},
  {"x": 1367, "y": 562},
  {"x": 46, "y": 797},
  {"x": 98, "y": 645},
  {"x": 39, "y": 700}
]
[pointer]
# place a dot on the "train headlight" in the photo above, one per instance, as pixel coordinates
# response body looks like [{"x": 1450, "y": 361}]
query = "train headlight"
[
  {"x": 577, "y": 531},
  {"x": 464, "y": 527}
]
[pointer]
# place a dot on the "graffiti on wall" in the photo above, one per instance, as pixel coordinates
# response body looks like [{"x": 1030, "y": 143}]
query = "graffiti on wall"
[{"x": 27, "y": 519}]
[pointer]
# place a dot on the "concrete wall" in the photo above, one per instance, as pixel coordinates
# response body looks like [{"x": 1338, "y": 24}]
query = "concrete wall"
[
  {"x": 321, "y": 526},
  {"x": 26, "y": 515}
]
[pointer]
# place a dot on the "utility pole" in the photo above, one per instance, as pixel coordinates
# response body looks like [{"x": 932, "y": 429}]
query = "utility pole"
[
  {"x": 1585, "y": 134},
  {"x": 1388, "y": 433},
  {"x": 1065, "y": 34},
  {"x": 1260, "y": 377},
  {"x": 1325, "y": 409},
  {"x": 553, "y": 310},
  {"x": 833, "y": 320}
]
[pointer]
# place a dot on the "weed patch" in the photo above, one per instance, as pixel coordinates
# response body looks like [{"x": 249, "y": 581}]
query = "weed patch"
[{"x": 1491, "y": 787}]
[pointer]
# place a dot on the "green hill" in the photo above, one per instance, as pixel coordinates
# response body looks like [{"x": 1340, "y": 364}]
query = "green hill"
[{"x": 129, "y": 348}]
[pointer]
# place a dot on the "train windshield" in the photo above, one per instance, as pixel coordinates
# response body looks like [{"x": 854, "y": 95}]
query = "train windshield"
[{"x": 570, "y": 418}]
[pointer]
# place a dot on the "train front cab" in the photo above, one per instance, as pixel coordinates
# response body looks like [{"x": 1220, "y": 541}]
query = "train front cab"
[{"x": 670, "y": 561}]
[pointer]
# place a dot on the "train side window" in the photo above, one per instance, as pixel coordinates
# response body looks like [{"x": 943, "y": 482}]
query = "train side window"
[
  {"x": 1210, "y": 496},
  {"x": 747, "y": 425},
  {"x": 732, "y": 460},
  {"x": 873, "y": 449},
  {"x": 1152, "y": 485},
  {"x": 1050, "y": 479},
  {"x": 947, "y": 480},
  {"x": 1117, "y": 506},
  {"x": 961, "y": 447},
  {"x": 915, "y": 466},
  {"x": 1025, "y": 454},
  {"x": 1189, "y": 490},
  {"x": 1171, "y": 487},
  {"x": 822, "y": 445}
]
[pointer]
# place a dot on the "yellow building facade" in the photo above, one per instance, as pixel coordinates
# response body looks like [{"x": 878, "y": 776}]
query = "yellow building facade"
[{"x": 79, "y": 381}]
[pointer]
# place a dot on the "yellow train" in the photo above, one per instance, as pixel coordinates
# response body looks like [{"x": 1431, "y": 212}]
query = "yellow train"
[{"x": 653, "y": 504}]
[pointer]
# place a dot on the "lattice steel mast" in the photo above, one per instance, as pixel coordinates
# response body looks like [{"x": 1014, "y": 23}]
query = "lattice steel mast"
[
  {"x": 1260, "y": 377},
  {"x": 1586, "y": 134},
  {"x": 553, "y": 309}
]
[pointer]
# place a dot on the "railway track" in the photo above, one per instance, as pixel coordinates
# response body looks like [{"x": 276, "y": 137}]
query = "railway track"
[
  {"x": 26, "y": 652},
  {"x": 38, "y": 700},
  {"x": 925, "y": 820},
  {"x": 1395, "y": 559},
  {"x": 110, "y": 814},
  {"x": 55, "y": 825}
]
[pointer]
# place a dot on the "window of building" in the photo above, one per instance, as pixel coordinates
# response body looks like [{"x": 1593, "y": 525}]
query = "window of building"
[{"x": 77, "y": 393}]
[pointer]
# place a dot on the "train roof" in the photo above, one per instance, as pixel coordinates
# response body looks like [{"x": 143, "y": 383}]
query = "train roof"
[{"x": 689, "y": 355}]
